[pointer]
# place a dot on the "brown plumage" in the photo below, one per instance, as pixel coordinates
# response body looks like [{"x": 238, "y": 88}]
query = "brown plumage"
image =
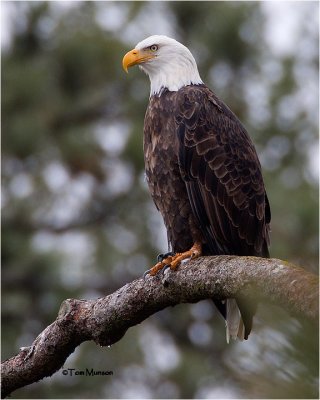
[
  {"x": 202, "y": 169},
  {"x": 205, "y": 178},
  {"x": 204, "y": 174}
]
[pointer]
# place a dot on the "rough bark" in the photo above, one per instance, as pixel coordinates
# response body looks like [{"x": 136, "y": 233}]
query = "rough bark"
[{"x": 107, "y": 319}]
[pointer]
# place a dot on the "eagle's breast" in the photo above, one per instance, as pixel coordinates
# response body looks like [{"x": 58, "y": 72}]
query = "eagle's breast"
[{"x": 166, "y": 185}]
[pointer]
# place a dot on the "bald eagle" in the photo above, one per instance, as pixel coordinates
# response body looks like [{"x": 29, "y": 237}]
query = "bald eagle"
[{"x": 202, "y": 169}]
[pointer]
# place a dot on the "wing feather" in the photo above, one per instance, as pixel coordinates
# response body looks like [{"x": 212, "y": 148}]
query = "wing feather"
[
  {"x": 223, "y": 175},
  {"x": 224, "y": 183}
]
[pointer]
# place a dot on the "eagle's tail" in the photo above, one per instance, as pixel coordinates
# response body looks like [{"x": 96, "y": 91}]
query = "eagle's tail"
[
  {"x": 234, "y": 323},
  {"x": 238, "y": 314}
]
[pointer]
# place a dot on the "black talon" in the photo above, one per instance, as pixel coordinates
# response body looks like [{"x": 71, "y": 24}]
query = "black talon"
[
  {"x": 145, "y": 274},
  {"x": 167, "y": 266},
  {"x": 163, "y": 256}
]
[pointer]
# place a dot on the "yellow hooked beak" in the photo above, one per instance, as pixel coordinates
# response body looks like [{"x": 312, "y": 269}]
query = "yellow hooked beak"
[{"x": 134, "y": 57}]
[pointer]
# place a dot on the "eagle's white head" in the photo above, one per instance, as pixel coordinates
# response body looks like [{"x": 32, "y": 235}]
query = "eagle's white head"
[{"x": 168, "y": 63}]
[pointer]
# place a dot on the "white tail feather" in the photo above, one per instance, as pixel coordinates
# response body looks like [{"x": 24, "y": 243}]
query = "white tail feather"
[{"x": 234, "y": 323}]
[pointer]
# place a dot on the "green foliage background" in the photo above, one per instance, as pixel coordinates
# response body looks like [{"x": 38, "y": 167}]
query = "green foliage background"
[{"x": 77, "y": 219}]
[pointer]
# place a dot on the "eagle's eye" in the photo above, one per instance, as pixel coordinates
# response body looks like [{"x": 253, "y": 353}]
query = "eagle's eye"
[{"x": 154, "y": 47}]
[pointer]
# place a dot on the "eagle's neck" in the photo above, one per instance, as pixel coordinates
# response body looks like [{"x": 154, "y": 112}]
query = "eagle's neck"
[{"x": 172, "y": 75}]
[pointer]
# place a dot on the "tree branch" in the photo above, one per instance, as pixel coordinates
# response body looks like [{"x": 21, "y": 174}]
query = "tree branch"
[{"x": 107, "y": 319}]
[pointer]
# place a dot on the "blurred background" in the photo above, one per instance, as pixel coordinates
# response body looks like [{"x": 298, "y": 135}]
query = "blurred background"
[{"x": 77, "y": 219}]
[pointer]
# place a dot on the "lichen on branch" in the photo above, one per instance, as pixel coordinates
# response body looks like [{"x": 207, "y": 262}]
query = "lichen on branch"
[{"x": 107, "y": 319}]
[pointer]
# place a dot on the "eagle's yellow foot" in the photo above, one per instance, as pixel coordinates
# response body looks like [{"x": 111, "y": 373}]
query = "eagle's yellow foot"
[{"x": 173, "y": 260}]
